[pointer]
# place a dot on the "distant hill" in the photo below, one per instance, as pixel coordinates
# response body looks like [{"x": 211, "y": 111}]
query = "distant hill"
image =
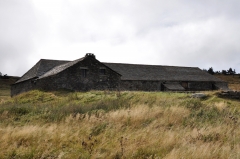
[
  {"x": 6, "y": 81},
  {"x": 5, "y": 84}
]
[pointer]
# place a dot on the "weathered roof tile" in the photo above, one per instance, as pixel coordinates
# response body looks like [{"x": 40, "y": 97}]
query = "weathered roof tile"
[
  {"x": 60, "y": 68},
  {"x": 160, "y": 73},
  {"x": 40, "y": 68}
]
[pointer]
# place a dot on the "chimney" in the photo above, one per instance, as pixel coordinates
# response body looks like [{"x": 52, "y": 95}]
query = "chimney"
[{"x": 90, "y": 55}]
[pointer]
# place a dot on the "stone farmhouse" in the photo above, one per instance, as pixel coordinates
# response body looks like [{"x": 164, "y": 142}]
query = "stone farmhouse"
[{"x": 88, "y": 73}]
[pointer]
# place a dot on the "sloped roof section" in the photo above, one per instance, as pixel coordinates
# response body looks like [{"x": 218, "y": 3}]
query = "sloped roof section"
[
  {"x": 40, "y": 68},
  {"x": 222, "y": 86},
  {"x": 161, "y": 73},
  {"x": 174, "y": 86},
  {"x": 60, "y": 68}
]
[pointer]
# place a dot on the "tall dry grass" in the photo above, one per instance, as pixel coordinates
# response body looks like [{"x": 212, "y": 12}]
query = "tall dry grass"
[{"x": 109, "y": 125}]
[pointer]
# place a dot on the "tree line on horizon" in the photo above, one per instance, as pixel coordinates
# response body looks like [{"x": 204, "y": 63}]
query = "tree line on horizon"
[
  {"x": 4, "y": 76},
  {"x": 230, "y": 71}
]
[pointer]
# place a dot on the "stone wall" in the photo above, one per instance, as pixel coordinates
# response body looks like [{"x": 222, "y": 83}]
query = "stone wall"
[
  {"x": 140, "y": 85},
  {"x": 73, "y": 78},
  {"x": 157, "y": 85},
  {"x": 229, "y": 94},
  {"x": 200, "y": 86},
  {"x": 22, "y": 87}
]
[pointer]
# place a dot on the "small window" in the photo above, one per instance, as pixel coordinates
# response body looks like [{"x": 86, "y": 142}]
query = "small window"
[
  {"x": 185, "y": 84},
  {"x": 84, "y": 72},
  {"x": 102, "y": 71}
]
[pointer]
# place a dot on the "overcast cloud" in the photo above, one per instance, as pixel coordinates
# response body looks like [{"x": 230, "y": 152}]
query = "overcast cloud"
[{"x": 176, "y": 32}]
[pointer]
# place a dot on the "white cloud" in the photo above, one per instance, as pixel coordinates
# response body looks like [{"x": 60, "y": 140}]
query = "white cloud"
[{"x": 186, "y": 33}]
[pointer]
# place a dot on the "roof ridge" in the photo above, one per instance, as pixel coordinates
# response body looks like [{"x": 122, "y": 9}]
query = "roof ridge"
[
  {"x": 29, "y": 71},
  {"x": 54, "y": 60},
  {"x": 40, "y": 61},
  {"x": 148, "y": 65}
]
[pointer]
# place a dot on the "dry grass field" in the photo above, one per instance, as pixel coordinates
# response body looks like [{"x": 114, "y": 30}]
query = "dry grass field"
[{"x": 107, "y": 124}]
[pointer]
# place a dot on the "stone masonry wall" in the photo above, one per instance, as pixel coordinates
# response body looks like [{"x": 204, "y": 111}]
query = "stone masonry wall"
[
  {"x": 22, "y": 87},
  {"x": 73, "y": 79},
  {"x": 198, "y": 86},
  {"x": 140, "y": 85},
  {"x": 157, "y": 86}
]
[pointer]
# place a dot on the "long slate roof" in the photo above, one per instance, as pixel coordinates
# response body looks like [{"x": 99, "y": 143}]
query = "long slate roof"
[
  {"x": 161, "y": 73},
  {"x": 45, "y": 68}
]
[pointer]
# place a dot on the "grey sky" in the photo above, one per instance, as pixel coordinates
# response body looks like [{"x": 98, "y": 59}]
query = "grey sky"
[{"x": 175, "y": 32}]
